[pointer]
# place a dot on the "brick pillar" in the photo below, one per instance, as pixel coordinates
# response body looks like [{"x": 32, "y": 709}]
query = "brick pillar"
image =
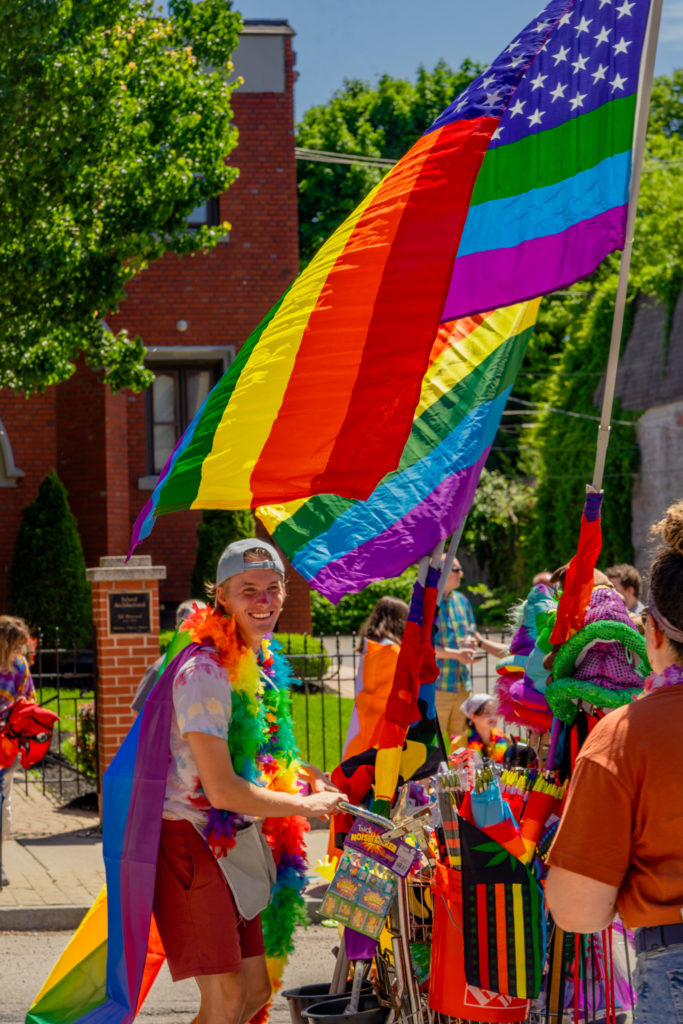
[{"x": 125, "y": 601}]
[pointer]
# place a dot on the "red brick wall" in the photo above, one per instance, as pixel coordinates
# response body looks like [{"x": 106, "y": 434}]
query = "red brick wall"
[
  {"x": 30, "y": 427},
  {"x": 121, "y": 662}
]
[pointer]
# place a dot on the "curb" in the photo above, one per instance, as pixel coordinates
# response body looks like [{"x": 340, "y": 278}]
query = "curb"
[
  {"x": 41, "y": 919},
  {"x": 66, "y": 919}
]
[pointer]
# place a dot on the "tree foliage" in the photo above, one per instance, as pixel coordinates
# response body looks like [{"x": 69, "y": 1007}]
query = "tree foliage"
[
  {"x": 116, "y": 122},
  {"x": 48, "y": 587},
  {"x": 365, "y": 120},
  {"x": 216, "y": 530}
]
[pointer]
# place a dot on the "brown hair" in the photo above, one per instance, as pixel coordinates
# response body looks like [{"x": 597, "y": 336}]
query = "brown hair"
[
  {"x": 386, "y": 621},
  {"x": 628, "y": 574},
  {"x": 14, "y": 635},
  {"x": 666, "y": 574}
]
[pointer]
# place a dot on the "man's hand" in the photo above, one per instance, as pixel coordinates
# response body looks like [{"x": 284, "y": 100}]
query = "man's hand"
[
  {"x": 322, "y": 803},
  {"x": 319, "y": 782}
]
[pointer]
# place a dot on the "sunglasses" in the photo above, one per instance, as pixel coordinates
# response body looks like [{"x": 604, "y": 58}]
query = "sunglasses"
[{"x": 461, "y": 571}]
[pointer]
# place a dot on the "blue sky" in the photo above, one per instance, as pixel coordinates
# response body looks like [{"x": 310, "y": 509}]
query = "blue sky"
[{"x": 337, "y": 39}]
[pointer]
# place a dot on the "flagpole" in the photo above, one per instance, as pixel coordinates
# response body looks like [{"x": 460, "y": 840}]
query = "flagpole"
[
  {"x": 640, "y": 130},
  {"x": 448, "y": 560}
]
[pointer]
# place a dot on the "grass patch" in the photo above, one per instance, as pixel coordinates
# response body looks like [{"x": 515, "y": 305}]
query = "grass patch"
[
  {"x": 321, "y": 739},
  {"x": 65, "y": 701}
]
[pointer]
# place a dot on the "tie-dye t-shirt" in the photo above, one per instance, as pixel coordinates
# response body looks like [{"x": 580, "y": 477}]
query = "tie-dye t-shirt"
[
  {"x": 16, "y": 682},
  {"x": 202, "y": 703}
]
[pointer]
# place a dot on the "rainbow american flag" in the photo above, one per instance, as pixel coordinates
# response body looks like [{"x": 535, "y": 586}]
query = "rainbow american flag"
[{"x": 519, "y": 187}]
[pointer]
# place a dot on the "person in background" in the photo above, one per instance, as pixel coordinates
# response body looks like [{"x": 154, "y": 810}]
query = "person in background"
[
  {"x": 627, "y": 581},
  {"x": 619, "y": 844},
  {"x": 455, "y": 640},
  {"x": 379, "y": 646},
  {"x": 15, "y": 681},
  {"x": 483, "y": 734},
  {"x": 182, "y": 612}
]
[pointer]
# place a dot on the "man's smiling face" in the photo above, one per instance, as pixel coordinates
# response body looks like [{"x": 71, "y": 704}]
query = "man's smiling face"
[{"x": 254, "y": 598}]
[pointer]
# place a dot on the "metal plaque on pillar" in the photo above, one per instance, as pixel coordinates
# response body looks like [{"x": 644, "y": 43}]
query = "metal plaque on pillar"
[{"x": 129, "y": 613}]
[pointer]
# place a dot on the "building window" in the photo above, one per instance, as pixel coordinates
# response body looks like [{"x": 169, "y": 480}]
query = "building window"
[
  {"x": 173, "y": 399},
  {"x": 206, "y": 213}
]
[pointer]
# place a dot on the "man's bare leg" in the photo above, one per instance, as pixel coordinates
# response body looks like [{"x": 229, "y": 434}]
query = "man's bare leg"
[
  {"x": 223, "y": 998},
  {"x": 256, "y": 985}
]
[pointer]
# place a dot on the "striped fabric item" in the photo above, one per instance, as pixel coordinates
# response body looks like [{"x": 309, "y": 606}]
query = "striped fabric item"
[
  {"x": 339, "y": 545},
  {"x": 519, "y": 187},
  {"x": 503, "y": 918}
]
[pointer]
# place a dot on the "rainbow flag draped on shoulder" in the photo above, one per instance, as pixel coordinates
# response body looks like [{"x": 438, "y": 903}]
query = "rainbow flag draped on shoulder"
[{"x": 519, "y": 187}]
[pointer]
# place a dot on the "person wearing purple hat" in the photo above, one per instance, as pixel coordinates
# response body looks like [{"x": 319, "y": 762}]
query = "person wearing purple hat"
[{"x": 619, "y": 845}]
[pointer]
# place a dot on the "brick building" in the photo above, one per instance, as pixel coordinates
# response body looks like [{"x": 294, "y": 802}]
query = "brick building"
[{"x": 192, "y": 314}]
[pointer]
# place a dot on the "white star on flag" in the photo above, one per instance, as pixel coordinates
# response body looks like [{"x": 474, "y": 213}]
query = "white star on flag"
[
  {"x": 536, "y": 117},
  {"x": 577, "y": 101},
  {"x": 603, "y": 35},
  {"x": 583, "y": 26},
  {"x": 579, "y": 64},
  {"x": 518, "y": 107},
  {"x": 560, "y": 55},
  {"x": 537, "y": 82},
  {"x": 618, "y": 82},
  {"x": 599, "y": 73},
  {"x": 622, "y": 46},
  {"x": 558, "y": 92},
  {"x": 625, "y": 8}
]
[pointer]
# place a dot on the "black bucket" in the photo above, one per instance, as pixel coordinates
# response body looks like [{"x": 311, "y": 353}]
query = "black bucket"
[
  {"x": 331, "y": 1011},
  {"x": 299, "y": 999}
]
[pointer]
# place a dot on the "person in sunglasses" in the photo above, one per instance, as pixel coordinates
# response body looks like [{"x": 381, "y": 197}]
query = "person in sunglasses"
[{"x": 455, "y": 641}]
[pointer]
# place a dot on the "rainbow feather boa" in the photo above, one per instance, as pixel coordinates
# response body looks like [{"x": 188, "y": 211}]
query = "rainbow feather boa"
[{"x": 263, "y": 750}]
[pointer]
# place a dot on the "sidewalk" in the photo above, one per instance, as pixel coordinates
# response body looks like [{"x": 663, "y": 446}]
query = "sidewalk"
[{"x": 54, "y": 861}]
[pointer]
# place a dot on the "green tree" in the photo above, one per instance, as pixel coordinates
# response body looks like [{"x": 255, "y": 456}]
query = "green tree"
[
  {"x": 48, "y": 587},
  {"x": 216, "y": 530},
  {"x": 116, "y": 123},
  {"x": 372, "y": 121}
]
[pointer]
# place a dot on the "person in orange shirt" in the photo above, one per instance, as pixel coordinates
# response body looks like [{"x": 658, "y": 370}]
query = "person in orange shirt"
[
  {"x": 619, "y": 845},
  {"x": 379, "y": 646}
]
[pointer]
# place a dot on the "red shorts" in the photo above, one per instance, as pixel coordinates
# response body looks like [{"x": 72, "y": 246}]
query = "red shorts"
[{"x": 199, "y": 924}]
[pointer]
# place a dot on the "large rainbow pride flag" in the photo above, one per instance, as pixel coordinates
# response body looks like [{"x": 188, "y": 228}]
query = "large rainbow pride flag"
[
  {"x": 340, "y": 545},
  {"x": 519, "y": 187}
]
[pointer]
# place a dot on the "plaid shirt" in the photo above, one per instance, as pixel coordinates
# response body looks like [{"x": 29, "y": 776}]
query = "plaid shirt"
[{"x": 454, "y": 616}]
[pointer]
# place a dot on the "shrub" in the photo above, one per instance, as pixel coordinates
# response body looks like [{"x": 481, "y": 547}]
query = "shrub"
[
  {"x": 301, "y": 650},
  {"x": 81, "y": 747},
  {"x": 47, "y": 586},
  {"x": 216, "y": 530},
  {"x": 353, "y": 609}
]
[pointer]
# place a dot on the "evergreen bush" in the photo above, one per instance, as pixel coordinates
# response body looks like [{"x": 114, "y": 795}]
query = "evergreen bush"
[
  {"x": 217, "y": 529},
  {"x": 47, "y": 586}
]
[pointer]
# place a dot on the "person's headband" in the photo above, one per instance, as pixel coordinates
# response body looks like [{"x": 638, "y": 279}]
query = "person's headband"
[{"x": 666, "y": 627}]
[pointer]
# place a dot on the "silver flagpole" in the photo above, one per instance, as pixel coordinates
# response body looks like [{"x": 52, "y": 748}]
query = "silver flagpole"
[{"x": 639, "y": 132}]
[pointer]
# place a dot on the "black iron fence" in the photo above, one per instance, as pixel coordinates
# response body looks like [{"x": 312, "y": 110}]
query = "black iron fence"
[
  {"x": 65, "y": 680},
  {"x": 325, "y": 668}
]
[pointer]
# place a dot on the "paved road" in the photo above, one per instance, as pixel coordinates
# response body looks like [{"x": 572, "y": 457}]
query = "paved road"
[{"x": 28, "y": 957}]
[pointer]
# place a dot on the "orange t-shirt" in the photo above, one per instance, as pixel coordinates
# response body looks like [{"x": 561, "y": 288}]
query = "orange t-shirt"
[
  {"x": 373, "y": 686},
  {"x": 623, "y": 821}
]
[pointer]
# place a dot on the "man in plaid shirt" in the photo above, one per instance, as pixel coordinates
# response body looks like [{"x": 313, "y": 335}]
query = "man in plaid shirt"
[{"x": 455, "y": 640}]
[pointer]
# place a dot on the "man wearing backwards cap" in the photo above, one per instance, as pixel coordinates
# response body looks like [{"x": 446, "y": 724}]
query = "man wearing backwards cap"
[{"x": 203, "y": 930}]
